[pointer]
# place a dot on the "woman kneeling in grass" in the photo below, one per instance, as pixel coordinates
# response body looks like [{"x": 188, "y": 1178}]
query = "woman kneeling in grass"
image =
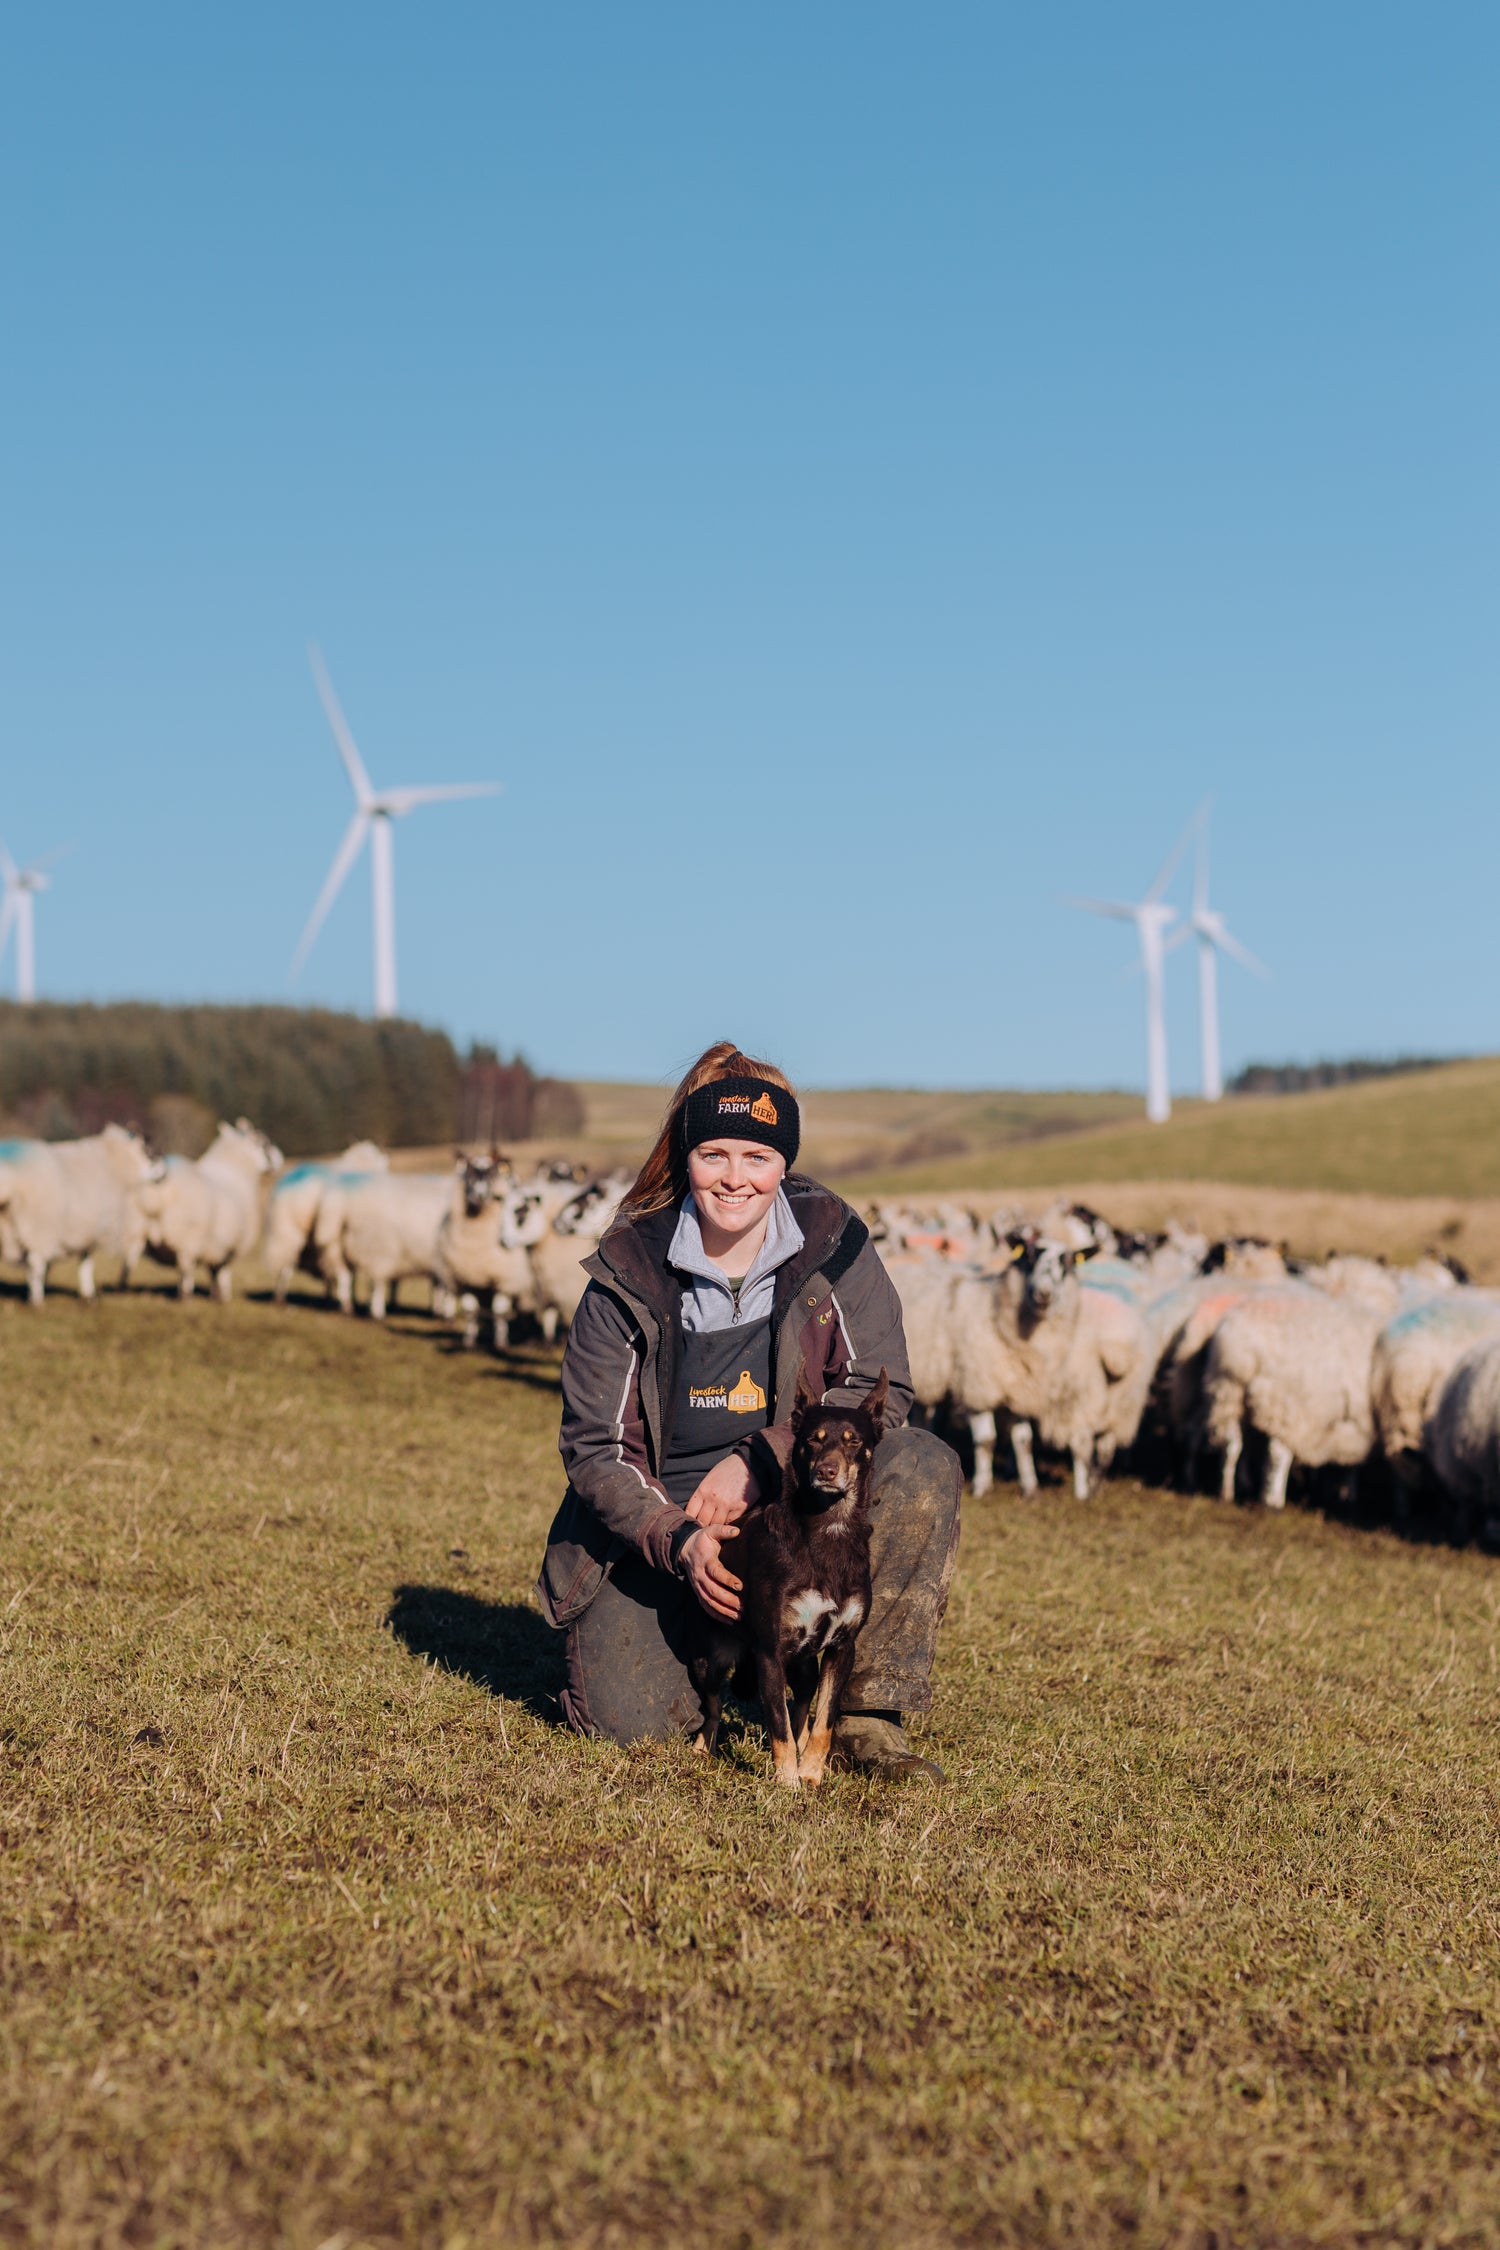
[{"x": 726, "y": 1277}]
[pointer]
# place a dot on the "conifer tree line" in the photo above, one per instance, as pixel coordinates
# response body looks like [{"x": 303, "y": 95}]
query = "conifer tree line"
[{"x": 310, "y": 1077}]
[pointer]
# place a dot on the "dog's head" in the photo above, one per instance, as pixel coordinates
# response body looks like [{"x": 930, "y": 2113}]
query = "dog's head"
[{"x": 833, "y": 1446}]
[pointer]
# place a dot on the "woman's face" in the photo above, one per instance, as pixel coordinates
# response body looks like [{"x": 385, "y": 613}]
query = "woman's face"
[{"x": 734, "y": 1183}]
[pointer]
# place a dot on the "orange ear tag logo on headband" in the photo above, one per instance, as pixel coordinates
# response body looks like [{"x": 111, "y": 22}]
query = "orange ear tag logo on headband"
[
  {"x": 747, "y": 1397},
  {"x": 764, "y": 1109}
]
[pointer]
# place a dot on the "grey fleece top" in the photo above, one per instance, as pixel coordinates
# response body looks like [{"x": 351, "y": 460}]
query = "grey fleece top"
[{"x": 708, "y": 1302}]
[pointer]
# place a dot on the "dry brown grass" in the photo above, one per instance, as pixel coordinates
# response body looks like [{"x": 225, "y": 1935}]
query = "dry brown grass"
[
  {"x": 1426, "y": 1133},
  {"x": 316, "y": 1929}
]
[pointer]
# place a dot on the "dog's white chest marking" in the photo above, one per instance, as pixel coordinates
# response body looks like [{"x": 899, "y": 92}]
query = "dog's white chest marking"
[
  {"x": 806, "y": 1611},
  {"x": 814, "y": 1619}
]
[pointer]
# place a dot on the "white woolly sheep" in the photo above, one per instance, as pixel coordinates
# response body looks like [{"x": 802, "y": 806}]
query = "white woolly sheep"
[
  {"x": 386, "y": 1227},
  {"x": 1414, "y": 1355},
  {"x": 1294, "y": 1364},
  {"x": 209, "y": 1212},
  {"x": 73, "y": 1199},
  {"x": 1463, "y": 1436},
  {"x": 292, "y": 1210}
]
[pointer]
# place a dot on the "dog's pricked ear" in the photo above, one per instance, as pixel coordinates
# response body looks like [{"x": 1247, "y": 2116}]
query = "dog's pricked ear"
[
  {"x": 876, "y": 1399},
  {"x": 806, "y": 1395}
]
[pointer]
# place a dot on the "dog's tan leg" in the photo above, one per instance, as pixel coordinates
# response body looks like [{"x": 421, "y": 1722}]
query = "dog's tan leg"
[
  {"x": 771, "y": 1680},
  {"x": 820, "y": 1732}
]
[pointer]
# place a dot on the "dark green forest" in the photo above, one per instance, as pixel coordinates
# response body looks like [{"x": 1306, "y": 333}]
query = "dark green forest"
[{"x": 311, "y": 1078}]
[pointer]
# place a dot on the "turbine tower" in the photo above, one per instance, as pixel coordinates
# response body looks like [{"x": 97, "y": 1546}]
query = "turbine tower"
[
  {"x": 1152, "y": 917},
  {"x": 1214, "y": 938},
  {"x": 18, "y": 891},
  {"x": 374, "y": 811}
]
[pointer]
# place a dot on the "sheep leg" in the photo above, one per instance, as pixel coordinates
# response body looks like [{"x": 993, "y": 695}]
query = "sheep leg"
[
  {"x": 1020, "y": 1445},
  {"x": 1278, "y": 1469},
  {"x": 468, "y": 1305},
  {"x": 282, "y": 1285},
  {"x": 1083, "y": 1480},
  {"x": 377, "y": 1299},
  {"x": 224, "y": 1283},
  {"x": 185, "y": 1277},
  {"x": 343, "y": 1289},
  {"x": 549, "y": 1323},
  {"x": 444, "y": 1303},
  {"x": 500, "y": 1321},
  {"x": 36, "y": 1277},
  {"x": 982, "y": 1431},
  {"x": 1234, "y": 1446},
  {"x": 86, "y": 1280}
]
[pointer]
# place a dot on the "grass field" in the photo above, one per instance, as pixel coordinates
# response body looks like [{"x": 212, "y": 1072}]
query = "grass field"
[
  {"x": 318, "y": 1931},
  {"x": 1424, "y": 1133}
]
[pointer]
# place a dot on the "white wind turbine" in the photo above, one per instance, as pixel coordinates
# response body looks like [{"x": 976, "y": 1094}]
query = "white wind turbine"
[
  {"x": 374, "y": 811},
  {"x": 1213, "y": 935},
  {"x": 1152, "y": 917},
  {"x": 18, "y": 891}
]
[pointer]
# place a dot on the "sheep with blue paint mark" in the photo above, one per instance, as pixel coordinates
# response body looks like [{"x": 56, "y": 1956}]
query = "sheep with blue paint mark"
[
  {"x": 1414, "y": 1356},
  {"x": 72, "y": 1199},
  {"x": 292, "y": 1210}
]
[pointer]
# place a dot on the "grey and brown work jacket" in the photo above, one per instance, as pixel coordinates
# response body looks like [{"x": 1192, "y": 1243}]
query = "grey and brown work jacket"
[{"x": 835, "y": 1316}]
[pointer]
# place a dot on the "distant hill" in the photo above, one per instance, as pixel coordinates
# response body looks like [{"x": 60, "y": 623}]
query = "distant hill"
[
  {"x": 845, "y": 1133},
  {"x": 1433, "y": 1132}
]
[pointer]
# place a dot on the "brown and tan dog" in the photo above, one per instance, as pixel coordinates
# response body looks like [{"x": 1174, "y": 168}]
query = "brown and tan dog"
[{"x": 804, "y": 1562}]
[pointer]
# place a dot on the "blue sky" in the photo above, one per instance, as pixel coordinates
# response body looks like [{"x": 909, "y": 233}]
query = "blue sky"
[{"x": 855, "y": 474}]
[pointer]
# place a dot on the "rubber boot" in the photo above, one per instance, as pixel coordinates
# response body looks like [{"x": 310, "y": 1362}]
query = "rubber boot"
[{"x": 874, "y": 1742}]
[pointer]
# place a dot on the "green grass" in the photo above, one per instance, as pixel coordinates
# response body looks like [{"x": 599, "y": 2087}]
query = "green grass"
[
  {"x": 318, "y": 1931},
  {"x": 1430, "y": 1132}
]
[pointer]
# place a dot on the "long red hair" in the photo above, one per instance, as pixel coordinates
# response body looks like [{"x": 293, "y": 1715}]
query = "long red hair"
[{"x": 662, "y": 1180}]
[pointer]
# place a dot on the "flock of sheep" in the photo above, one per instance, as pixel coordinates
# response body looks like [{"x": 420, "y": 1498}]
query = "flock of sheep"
[
  {"x": 1064, "y": 1331},
  {"x": 479, "y": 1235},
  {"x": 1094, "y": 1341}
]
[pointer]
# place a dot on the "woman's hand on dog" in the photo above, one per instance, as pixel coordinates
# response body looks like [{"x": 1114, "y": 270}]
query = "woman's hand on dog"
[
  {"x": 725, "y": 1493},
  {"x": 717, "y": 1589}
]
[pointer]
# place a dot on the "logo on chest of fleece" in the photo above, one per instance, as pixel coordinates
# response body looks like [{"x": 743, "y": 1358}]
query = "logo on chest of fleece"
[
  {"x": 762, "y": 1109},
  {"x": 747, "y": 1397}
]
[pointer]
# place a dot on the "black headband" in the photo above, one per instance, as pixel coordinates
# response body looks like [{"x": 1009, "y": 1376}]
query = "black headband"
[{"x": 743, "y": 1109}]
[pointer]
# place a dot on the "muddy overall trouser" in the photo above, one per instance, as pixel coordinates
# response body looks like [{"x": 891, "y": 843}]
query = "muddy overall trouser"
[{"x": 626, "y": 1674}]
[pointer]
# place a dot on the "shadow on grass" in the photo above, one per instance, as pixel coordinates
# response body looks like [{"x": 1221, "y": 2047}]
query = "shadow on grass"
[{"x": 504, "y": 1647}]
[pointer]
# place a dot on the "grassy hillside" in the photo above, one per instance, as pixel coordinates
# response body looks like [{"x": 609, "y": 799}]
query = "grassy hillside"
[
  {"x": 1432, "y": 1133},
  {"x": 317, "y": 1929},
  {"x": 869, "y": 1128}
]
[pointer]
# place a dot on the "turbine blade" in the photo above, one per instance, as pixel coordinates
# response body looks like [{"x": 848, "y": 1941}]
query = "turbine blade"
[
  {"x": 398, "y": 802},
  {"x": 1242, "y": 954},
  {"x": 1169, "y": 865},
  {"x": 7, "y": 916},
  {"x": 354, "y": 765},
  {"x": 1179, "y": 936},
  {"x": 8, "y": 867},
  {"x": 1112, "y": 907},
  {"x": 1200, "y": 863},
  {"x": 348, "y": 852},
  {"x": 49, "y": 859}
]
